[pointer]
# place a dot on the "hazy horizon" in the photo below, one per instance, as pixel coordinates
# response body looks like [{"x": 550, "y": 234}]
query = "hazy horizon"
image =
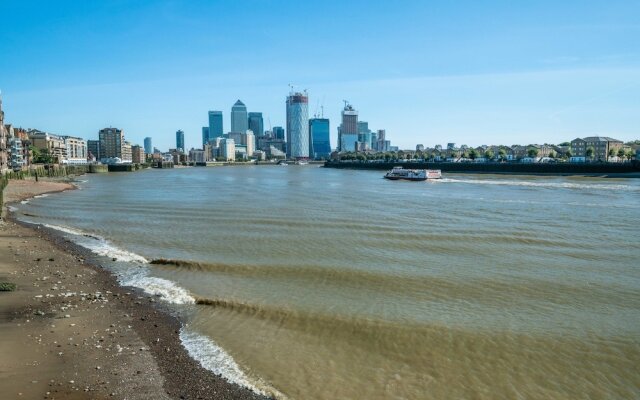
[{"x": 468, "y": 73}]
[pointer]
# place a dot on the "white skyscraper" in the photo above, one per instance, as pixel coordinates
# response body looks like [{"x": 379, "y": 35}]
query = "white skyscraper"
[{"x": 297, "y": 125}]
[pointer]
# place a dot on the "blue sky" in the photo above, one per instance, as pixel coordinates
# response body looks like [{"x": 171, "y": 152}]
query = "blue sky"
[{"x": 428, "y": 72}]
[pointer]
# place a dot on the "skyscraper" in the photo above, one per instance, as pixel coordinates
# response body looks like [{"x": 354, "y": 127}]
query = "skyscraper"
[
  {"x": 364, "y": 134},
  {"x": 205, "y": 135},
  {"x": 112, "y": 144},
  {"x": 215, "y": 124},
  {"x": 148, "y": 147},
  {"x": 239, "y": 119},
  {"x": 320, "y": 141},
  {"x": 278, "y": 132},
  {"x": 348, "y": 130},
  {"x": 297, "y": 125},
  {"x": 180, "y": 140},
  {"x": 256, "y": 123}
]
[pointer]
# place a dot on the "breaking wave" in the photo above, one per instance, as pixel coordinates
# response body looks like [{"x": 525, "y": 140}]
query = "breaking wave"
[
  {"x": 99, "y": 245},
  {"x": 215, "y": 359}
]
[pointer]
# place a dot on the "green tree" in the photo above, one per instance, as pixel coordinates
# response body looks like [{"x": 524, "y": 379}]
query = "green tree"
[
  {"x": 532, "y": 152},
  {"x": 630, "y": 154},
  {"x": 621, "y": 152},
  {"x": 569, "y": 153},
  {"x": 612, "y": 152},
  {"x": 502, "y": 153},
  {"x": 590, "y": 152},
  {"x": 565, "y": 144},
  {"x": 473, "y": 153},
  {"x": 488, "y": 154},
  {"x": 552, "y": 154}
]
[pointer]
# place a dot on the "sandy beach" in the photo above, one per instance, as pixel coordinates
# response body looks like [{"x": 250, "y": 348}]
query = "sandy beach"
[{"x": 69, "y": 331}]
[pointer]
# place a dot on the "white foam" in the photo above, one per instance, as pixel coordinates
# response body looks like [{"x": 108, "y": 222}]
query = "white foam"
[
  {"x": 12, "y": 209},
  {"x": 39, "y": 196},
  {"x": 65, "y": 229},
  {"x": 103, "y": 248},
  {"x": 99, "y": 245},
  {"x": 24, "y": 202},
  {"x": 167, "y": 290},
  {"x": 215, "y": 359},
  {"x": 563, "y": 185}
]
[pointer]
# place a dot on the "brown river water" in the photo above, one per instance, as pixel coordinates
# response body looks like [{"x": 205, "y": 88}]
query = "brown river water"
[{"x": 313, "y": 283}]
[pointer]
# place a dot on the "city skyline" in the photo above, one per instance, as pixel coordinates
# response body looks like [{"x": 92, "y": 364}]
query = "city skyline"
[{"x": 463, "y": 73}]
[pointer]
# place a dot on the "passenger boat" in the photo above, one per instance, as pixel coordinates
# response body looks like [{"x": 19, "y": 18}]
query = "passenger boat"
[{"x": 398, "y": 173}]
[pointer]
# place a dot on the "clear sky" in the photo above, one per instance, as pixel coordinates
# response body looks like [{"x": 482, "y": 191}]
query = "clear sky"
[{"x": 430, "y": 72}]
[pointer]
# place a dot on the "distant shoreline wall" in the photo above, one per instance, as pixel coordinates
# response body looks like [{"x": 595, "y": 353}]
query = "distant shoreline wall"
[{"x": 630, "y": 169}]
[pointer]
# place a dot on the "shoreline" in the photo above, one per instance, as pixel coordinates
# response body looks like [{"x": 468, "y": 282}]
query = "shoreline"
[{"x": 94, "y": 338}]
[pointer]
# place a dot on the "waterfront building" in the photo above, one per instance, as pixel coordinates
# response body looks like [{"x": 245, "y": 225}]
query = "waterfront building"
[
  {"x": 348, "y": 129},
  {"x": 137, "y": 154},
  {"x": 4, "y": 165},
  {"x": 320, "y": 138},
  {"x": 93, "y": 149},
  {"x": 76, "y": 150},
  {"x": 113, "y": 145},
  {"x": 180, "y": 140},
  {"x": 15, "y": 149},
  {"x": 127, "y": 154},
  {"x": 215, "y": 124},
  {"x": 23, "y": 135},
  {"x": 205, "y": 135},
  {"x": 278, "y": 132},
  {"x": 239, "y": 119},
  {"x": 297, "y": 125},
  {"x": 600, "y": 146},
  {"x": 199, "y": 155},
  {"x": 53, "y": 144},
  {"x": 148, "y": 145},
  {"x": 256, "y": 124},
  {"x": 227, "y": 149}
]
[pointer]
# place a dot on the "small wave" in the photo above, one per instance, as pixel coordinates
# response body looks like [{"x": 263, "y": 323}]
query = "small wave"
[
  {"x": 164, "y": 288},
  {"x": 99, "y": 245},
  {"x": 559, "y": 185},
  {"x": 39, "y": 196},
  {"x": 24, "y": 202},
  {"x": 64, "y": 229},
  {"x": 215, "y": 359},
  {"x": 12, "y": 208}
]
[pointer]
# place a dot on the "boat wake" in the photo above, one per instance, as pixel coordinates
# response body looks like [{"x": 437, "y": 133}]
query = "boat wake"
[{"x": 553, "y": 185}]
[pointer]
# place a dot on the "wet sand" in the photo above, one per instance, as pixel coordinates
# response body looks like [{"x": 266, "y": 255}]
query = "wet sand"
[{"x": 69, "y": 331}]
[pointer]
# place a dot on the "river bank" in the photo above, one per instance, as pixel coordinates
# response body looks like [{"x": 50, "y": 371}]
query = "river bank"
[{"x": 69, "y": 331}]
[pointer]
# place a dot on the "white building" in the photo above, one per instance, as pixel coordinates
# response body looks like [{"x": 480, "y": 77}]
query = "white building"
[
  {"x": 298, "y": 125},
  {"x": 77, "y": 152},
  {"x": 14, "y": 145},
  {"x": 228, "y": 149},
  {"x": 249, "y": 140}
]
